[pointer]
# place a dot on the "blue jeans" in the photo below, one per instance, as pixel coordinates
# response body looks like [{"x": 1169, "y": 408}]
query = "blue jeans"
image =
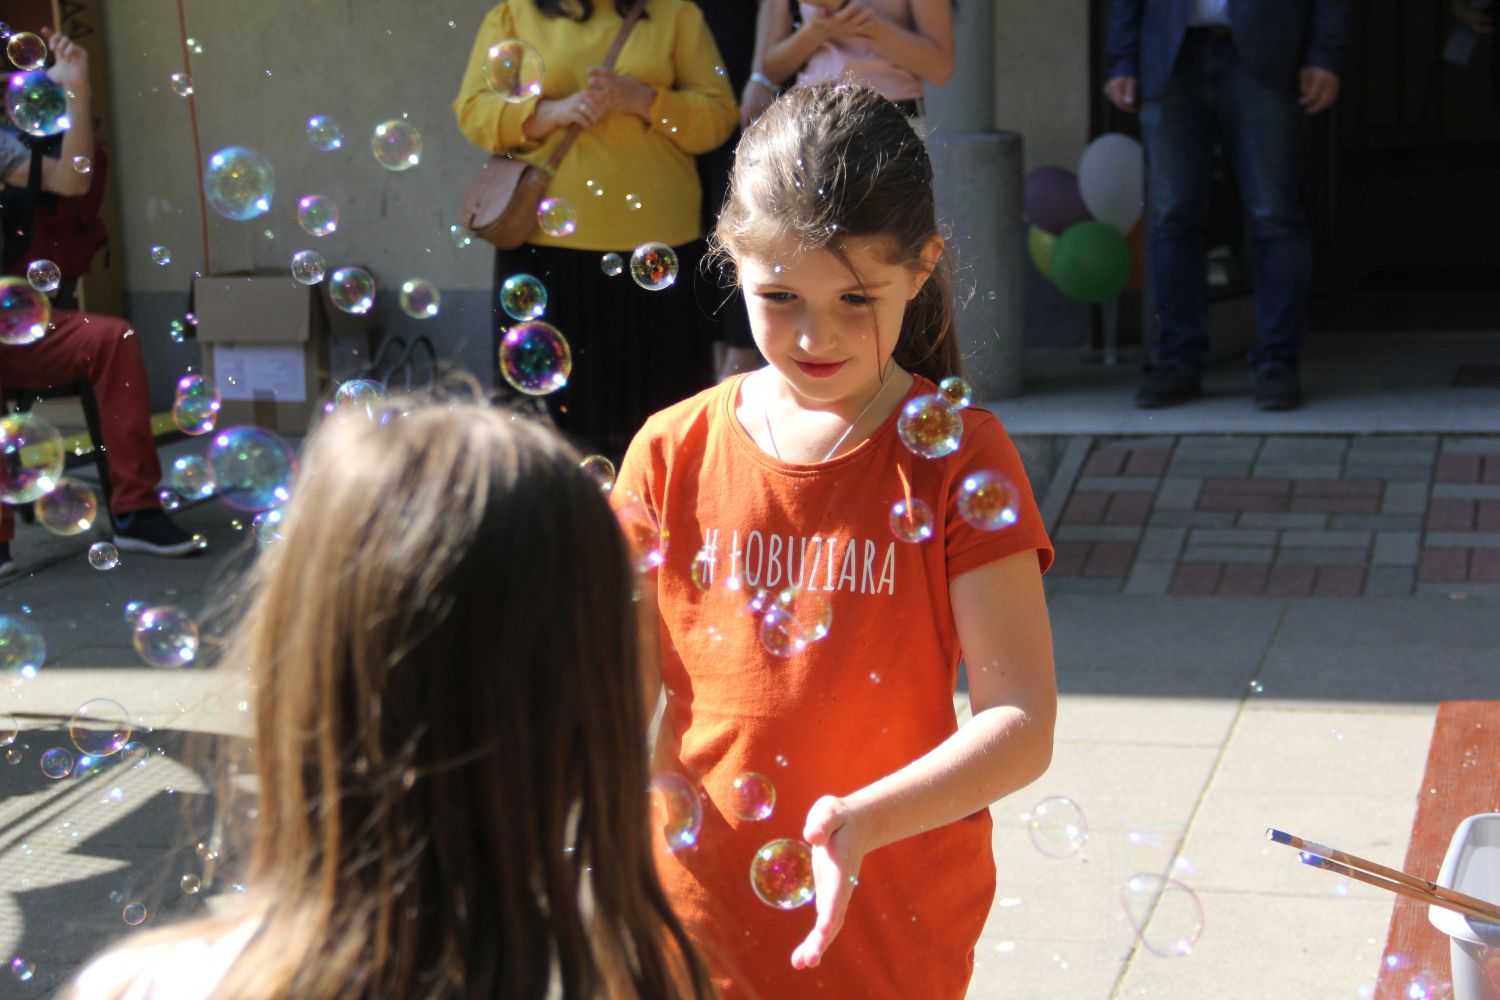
[{"x": 1211, "y": 97}]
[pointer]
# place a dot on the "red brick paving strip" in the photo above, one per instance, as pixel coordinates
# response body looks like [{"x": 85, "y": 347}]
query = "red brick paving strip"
[
  {"x": 1485, "y": 566},
  {"x": 1340, "y": 581},
  {"x": 1129, "y": 509},
  {"x": 1243, "y": 579},
  {"x": 1106, "y": 462},
  {"x": 1243, "y": 494},
  {"x": 1458, "y": 468},
  {"x": 1152, "y": 462},
  {"x": 1443, "y": 566},
  {"x": 1110, "y": 559},
  {"x": 1196, "y": 579},
  {"x": 1291, "y": 581},
  {"x": 1450, "y": 514},
  {"x": 1085, "y": 508},
  {"x": 1492, "y": 469},
  {"x": 1489, "y": 515},
  {"x": 1069, "y": 558}
]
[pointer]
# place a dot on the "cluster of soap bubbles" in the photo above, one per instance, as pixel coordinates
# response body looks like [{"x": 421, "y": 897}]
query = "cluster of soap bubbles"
[
  {"x": 790, "y": 620},
  {"x": 534, "y": 356},
  {"x": 196, "y": 410},
  {"x": 24, "y": 312}
]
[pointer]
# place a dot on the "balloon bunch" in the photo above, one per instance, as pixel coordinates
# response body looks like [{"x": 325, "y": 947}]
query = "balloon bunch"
[{"x": 1085, "y": 231}]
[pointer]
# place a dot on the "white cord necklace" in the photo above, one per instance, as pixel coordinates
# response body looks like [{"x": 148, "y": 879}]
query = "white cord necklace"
[{"x": 765, "y": 413}]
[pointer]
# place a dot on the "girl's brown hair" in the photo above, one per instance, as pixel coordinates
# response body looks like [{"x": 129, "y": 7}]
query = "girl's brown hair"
[
  {"x": 833, "y": 161},
  {"x": 449, "y": 736}
]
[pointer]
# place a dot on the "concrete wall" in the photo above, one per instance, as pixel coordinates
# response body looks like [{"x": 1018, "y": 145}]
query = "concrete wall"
[
  {"x": 264, "y": 69},
  {"x": 1042, "y": 91}
]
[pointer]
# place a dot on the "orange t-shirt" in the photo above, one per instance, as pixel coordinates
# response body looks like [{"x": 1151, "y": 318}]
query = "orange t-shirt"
[{"x": 869, "y": 698}]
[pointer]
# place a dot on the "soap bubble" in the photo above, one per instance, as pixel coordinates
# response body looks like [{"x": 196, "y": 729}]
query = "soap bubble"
[
  {"x": 534, "y": 358},
  {"x": 460, "y": 236},
  {"x": 161, "y": 256},
  {"x": 134, "y": 914},
  {"x": 930, "y": 427},
  {"x": 611, "y": 264},
  {"x": 239, "y": 183},
  {"x": 133, "y": 610},
  {"x": 793, "y": 619},
  {"x": 676, "y": 811},
  {"x": 987, "y": 500},
  {"x": 169, "y": 500},
  {"x": 782, "y": 874},
  {"x": 752, "y": 797},
  {"x": 396, "y": 145},
  {"x": 26, "y": 50},
  {"x": 191, "y": 884},
  {"x": 191, "y": 478},
  {"x": 36, "y": 104},
  {"x": 601, "y": 470},
  {"x": 317, "y": 215},
  {"x": 1057, "y": 827},
  {"x": 911, "y": 521},
  {"x": 523, "y": 297},
  {"x": 193, "y": 384},
  {"x": 359, "y": 393},
  {"x": 69, "y": 508},
  {"x": 654, "y": 266},
  {"x": 10, "y": 728},
  {"x": 324, "y": 133},
  {"x": 352, "y": 289},
  {"x": 103, "y": 556},
  {"x": 196, "y": 414},
  {"x": 165, "y": 637},
  {"x": 22, "y": 969},
  {"x": 956, "y": 392},
  {"x": 44, "y": 275},
  {"x": 266, "y": 527},
  {"x": 1167, "y": 915},
  {"x": 56, "y": 763},
  {"x": 100, "y": 727},
  {"x": 24, "y": 313},
  {"x": 22, "y": 649},
  {"x": 308, "y": 267},
  {"x": 182, "y": 84},
  {"x": 82, "y": 164},
  {"x": 177, "y": 331},
  {"x": 556, "y": 216},
  {"x": 514, "y": 70},
  {"x": 252, "y": 468},
  {"x": 643, "y": 535},
  {"x": 420, "y": 298},
  {"x": 31, "y": 457}
]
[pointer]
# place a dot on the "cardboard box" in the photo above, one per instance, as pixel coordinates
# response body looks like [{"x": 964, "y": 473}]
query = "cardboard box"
[{"x": 275, "y": 347}]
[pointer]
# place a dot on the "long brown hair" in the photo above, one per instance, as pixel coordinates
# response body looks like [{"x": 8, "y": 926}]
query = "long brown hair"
[
  {"x": 834, "y": 161},
  {"x": 448, "y": 730}
]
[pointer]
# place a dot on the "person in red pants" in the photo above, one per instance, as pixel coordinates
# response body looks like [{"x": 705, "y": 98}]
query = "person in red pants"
[{"x": 103, "y": 349}]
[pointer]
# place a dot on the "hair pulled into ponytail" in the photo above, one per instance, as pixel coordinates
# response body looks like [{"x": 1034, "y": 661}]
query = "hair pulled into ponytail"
[{"x": 836, "y": 161}]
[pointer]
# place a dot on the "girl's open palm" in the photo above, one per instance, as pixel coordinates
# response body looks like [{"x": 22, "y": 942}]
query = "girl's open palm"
[{"x": 838, "y": 851}]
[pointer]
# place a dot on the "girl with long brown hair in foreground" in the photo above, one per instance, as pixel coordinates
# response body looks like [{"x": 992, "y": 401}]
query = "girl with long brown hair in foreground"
[{"x": 449, "y": 737}]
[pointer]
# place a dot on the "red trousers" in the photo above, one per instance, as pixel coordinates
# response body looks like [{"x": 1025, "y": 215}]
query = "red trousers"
[{"x": 107, "y": 352}]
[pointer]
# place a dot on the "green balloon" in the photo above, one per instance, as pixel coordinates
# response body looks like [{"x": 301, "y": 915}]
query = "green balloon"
[
  {"x": 1091, "y": 262},
  {"x": 1040, "y": 244}
]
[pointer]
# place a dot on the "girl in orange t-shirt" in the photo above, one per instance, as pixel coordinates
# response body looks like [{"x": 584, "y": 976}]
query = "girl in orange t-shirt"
[{"x": 828, "y": 537}]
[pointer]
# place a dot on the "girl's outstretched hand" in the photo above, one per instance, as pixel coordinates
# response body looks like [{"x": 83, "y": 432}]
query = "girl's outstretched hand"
[{"x": 838, "y": 849}]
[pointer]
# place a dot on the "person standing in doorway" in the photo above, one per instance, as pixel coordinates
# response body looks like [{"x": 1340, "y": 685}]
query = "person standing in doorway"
[{"x": 1243, "y": 75}]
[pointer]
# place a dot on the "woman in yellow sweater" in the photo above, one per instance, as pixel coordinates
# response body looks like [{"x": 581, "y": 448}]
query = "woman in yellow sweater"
[{"x": 631, "y": 179}]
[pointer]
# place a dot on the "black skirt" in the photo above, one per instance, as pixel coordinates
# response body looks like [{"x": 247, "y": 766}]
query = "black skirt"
[{"x": 634, "y": 351}]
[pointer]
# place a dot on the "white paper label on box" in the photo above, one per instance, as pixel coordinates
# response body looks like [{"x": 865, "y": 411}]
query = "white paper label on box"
[{"x": 249, "y": 373}]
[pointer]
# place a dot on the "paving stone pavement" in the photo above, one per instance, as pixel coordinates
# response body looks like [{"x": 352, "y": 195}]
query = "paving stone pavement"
[{"x": 1332, "y": 516}]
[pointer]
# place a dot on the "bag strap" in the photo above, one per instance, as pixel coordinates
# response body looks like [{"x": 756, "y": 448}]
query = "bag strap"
[{"x": 636, "y": 10}]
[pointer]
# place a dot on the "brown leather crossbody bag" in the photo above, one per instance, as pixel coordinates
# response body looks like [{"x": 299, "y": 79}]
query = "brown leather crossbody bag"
[{"x": 500, "y": 206}]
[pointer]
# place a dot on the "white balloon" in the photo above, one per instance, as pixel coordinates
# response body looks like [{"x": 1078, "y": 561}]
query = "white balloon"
[{"x": 1111, "y": 178}]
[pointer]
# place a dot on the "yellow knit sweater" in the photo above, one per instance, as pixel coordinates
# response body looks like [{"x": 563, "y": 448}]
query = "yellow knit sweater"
[{"x": 629, "y": 181}]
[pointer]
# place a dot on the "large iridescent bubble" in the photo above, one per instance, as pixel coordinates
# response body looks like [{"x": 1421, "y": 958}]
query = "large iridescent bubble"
[
  {"x": 31, "y": 457},
  {"x": 535, "y": 358},
  {"x": 239, "y": 183},
  {"x": 22, "y": 649},
  {"x": 781, "y": 874},
  {"x": 930, "y": 426},
  {"x": 396, "y": 145},
  {"x": 165, "y": 637},
  {"x": 37, "y": 104},
  {"x": 24, "y": 312},
  {"x": 352, "y": 290},
  {"x": 514, "y": 70},
  {"x": 523, "y": 297},
  {"x": 252, "y": 468}
]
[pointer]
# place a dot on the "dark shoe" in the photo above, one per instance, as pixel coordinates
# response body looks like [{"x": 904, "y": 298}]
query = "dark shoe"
[
  {"x": 1168, "y": 386},
  {"x": 153, "y": 532},
  {"x": 1277, "y": 387},
  {"x": 7, "y": 564}
]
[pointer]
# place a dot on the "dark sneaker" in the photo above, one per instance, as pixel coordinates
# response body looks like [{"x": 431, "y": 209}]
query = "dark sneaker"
[
  {"x": 1168, "y": 386},
  {"x": 153, "y": 532},
  {"x": 7, "y": 564},
  {"x": 1277, "y": 387}
]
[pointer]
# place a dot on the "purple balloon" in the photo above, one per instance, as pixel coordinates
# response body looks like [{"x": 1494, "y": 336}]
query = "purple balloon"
[{"x": 1053, "y": 201}]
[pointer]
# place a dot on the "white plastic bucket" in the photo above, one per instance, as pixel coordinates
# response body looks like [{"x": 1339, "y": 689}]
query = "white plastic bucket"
[{"x": 1472, "y": 866}]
